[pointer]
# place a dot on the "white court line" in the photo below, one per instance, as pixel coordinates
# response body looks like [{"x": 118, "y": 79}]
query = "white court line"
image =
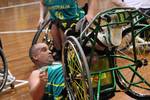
[
  {"x": 21, "y": 83},
  {"x": 20, "y": 5},
  {"x": 21, "y": 31}
]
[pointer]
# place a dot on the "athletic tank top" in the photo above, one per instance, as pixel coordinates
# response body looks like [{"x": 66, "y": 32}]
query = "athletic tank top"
[
  {"x": 55, "y": 84},
  {"x": 64, "y": 9}
]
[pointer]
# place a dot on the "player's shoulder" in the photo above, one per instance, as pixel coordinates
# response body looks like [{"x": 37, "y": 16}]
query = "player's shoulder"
[{"x": 56, "y": 65}]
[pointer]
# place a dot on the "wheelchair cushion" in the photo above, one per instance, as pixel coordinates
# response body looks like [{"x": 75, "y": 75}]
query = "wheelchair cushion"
[{"x": 111, "y": 36}]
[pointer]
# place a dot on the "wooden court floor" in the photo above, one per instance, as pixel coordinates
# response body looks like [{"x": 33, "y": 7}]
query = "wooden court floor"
[{"x": 18, "y": 23}]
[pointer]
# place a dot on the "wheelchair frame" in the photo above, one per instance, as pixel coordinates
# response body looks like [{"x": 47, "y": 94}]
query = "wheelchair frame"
[{"x": 78, "y": 53}]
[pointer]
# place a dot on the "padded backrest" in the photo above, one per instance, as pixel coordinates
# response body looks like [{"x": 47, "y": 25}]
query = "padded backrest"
[
  {"x": 113, "y": 28},
  {"x": 108, "y": 26}
]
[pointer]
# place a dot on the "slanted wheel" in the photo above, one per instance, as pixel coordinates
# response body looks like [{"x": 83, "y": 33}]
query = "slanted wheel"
[
  {"x": 42, "y": 34},
  {"x": 134, "y": 79},
  {"x": 76, "y": 71},
  {"x": 3, "y": 70},
  {"x": 139, "y": 87}
]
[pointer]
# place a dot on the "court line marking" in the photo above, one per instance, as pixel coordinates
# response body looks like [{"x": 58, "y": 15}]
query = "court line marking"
[
  {"x": 20, "y": 5},
  {"x": 20, "y": 83},
  {"x": 19, "y": 31}
]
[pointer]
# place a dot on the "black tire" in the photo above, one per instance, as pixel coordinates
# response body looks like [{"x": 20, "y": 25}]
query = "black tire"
[
  {"x": 3, "y": 70},
  {"x": 138, "y": 66},
  {"x": 136, "y": 69},
  {"x": 76, "y": 71},
  {"x": 40, "y": 34}
]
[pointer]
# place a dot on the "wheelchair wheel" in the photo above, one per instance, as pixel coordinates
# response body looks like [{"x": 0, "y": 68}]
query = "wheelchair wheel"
[
  {"x": 134, "y": 79},
  {"x": 42, "y": 34},
  {"x": 3, "y": 70},
  {"x": 76, "y": 71}
]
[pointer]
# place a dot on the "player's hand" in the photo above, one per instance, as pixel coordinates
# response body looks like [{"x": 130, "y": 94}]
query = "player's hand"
[
  {"x": 40, "y": 23},
  {"x": 43, "y": 77}
]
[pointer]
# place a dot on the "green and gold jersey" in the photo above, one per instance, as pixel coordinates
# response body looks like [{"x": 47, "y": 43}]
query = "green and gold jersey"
[
  {"x": 64, "y": 9},
  {"x": 55, "y": 84}
]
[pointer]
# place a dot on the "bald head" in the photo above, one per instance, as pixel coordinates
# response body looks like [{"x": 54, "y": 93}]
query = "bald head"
[
  {"x": 40, "y": 54},
  {"x": 34, "y": 50}
]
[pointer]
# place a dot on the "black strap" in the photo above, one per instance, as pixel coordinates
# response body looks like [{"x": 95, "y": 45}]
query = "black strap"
[{"x": 1, "y": 44}]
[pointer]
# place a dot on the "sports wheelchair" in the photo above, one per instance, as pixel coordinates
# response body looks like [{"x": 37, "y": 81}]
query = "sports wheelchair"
[{"x": 108, "y": 52}]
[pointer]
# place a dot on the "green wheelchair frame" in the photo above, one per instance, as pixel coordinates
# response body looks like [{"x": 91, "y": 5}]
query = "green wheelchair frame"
[{"x": 94, "y": 66}]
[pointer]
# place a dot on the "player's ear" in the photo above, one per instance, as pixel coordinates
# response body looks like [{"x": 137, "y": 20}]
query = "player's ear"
[{"x": 35, "y": 57}]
